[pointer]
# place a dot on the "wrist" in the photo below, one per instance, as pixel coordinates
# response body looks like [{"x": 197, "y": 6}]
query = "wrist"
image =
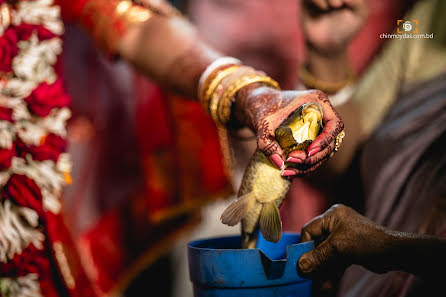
[
  {"x": 225, "y": 91},
  {"x": 240, "y": 115}
]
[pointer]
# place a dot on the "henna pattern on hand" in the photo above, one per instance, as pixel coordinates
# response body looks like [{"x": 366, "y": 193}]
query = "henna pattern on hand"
[
  {"x": 260, "y": 103},
  {"x": 265, "y": 142},
  {"x": 270, "y": 149},
  {"x": 339, "y": 124}
]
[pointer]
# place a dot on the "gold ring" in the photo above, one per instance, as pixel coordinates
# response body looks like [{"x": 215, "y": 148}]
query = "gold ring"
[{"x": 339, "y": 139}]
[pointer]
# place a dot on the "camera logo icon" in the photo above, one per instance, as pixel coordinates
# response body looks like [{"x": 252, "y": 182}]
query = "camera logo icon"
[{"x": 407, "y": 26}]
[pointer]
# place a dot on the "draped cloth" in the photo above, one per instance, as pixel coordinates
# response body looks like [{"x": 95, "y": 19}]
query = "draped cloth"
[
  {"x": 138, "y": 183},
  {"x": 403, "y": 171}
]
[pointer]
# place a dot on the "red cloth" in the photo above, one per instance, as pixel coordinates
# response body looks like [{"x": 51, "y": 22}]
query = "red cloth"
[
  {"x": 182, "y": 170},
  {"x": 71, "y": 9}
]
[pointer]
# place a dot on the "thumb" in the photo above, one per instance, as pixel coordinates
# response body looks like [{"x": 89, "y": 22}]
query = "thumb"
[{"x": 311, "y": 262}]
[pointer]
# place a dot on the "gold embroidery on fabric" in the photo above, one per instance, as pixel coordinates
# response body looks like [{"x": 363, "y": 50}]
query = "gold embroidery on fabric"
[
  {"x": 108, "y": 21},
  {"x": 63, "y": 265}
]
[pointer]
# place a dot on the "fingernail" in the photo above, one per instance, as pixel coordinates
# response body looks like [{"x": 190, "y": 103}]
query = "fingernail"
[
  {"x": 294, "y": 160},
  {"x": 304, "y": 265},
  {"x": 277, "y": 160},
  {"x": 314, "y": 151},
  {"x": 288, "y": 173}
]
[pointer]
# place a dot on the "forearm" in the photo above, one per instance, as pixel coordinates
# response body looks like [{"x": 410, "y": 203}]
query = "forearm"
[
  {"x": 169, "y": 51},
  {"x": 421, "y": 255},
  {"x": 150, "y": 35}
]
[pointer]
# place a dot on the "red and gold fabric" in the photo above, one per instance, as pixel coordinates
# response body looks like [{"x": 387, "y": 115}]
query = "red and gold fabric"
[
  {"x": 183, "y": 169},
  {"x": 34, "y": 166},
  {"x": 182, "y": 160}
]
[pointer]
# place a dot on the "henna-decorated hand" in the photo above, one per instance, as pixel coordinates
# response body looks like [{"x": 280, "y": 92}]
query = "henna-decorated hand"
[{"x": 264, "y": 109}]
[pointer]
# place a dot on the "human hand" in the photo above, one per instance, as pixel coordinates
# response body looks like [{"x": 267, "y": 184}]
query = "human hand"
[
  {"x": 264, "y": 109},
  {"x": 343, "y": 237},
  {"x": 330, "y": 25}
]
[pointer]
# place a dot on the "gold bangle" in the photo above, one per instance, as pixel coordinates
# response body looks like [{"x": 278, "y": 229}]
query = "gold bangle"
[
  {"x": 222, "y": 85},
  {"x": 226, "y": 100},
  {"x": 328, "y": 87},
  {"x": 213, "y": 104},
  {"x": 209, "y": 88}
]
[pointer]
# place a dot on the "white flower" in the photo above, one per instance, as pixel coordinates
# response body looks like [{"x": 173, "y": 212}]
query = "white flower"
[
  {"x": 32, "y": 132},
  {"x": 22, "y": 286},
  {"x": 9, "y": 102},
  {"x": 35, "y": 59},
  {"x": 17, "y": 230},
  {"x": 46, "y": 176},
  {"x": 20, "y": 112},
  {"x": 4, "y": 177},
  {"x": 17, "y": 88},
  {"x": 29, "y": 132},
  {"x": 40, "y": 12},
  {"x": 7, "y": 132},
  {"x": 64, "y": 163},
  {"x": 56, "y": 121},
  {"x": 18, "y": 106}
]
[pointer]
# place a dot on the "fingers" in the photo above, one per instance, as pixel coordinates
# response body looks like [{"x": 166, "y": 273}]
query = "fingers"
[
  {"x": 269, "y": 146},
  {"x": 333, "y": 125},
  {"x": 277, "y": 161},
  {"x": 323, "y": 224},
  {"x": 327, "y": 258},
  {"x": 313, "y": 230},
  {"x": 272, "y": 151},
  {"x": 311, "y": 262},
  {"x": 306, "y": 167},
  {"x": 317, "y": 155},
  {"x": 296, "y": 157}
]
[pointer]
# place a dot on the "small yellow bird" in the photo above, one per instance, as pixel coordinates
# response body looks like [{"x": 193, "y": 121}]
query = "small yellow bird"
[{"x": 263, "y": 189}]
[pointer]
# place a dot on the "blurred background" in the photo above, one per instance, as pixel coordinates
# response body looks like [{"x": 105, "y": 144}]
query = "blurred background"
[{"x": 137, "y": 200}]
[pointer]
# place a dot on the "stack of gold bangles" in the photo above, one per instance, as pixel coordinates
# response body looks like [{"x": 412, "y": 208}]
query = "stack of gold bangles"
[{"x": 218, "y": 89}]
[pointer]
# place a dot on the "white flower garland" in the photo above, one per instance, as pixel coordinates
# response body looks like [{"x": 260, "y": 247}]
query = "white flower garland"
[{"x": 33, "y": 65}]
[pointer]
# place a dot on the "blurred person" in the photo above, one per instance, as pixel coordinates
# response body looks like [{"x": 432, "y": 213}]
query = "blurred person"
[
  {"x": 38, "y": 257},
  {"x": 262, "y": 35},
  {"x": 355, "y": 36},
  {"x": 392, "y": 168}
]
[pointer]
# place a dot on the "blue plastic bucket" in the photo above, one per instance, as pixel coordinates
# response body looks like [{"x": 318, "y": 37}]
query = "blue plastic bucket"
[{"x": 219, "y": 268}]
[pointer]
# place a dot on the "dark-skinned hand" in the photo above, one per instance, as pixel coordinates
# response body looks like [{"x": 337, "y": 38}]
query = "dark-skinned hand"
[{"x": 344, "y": 237}]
